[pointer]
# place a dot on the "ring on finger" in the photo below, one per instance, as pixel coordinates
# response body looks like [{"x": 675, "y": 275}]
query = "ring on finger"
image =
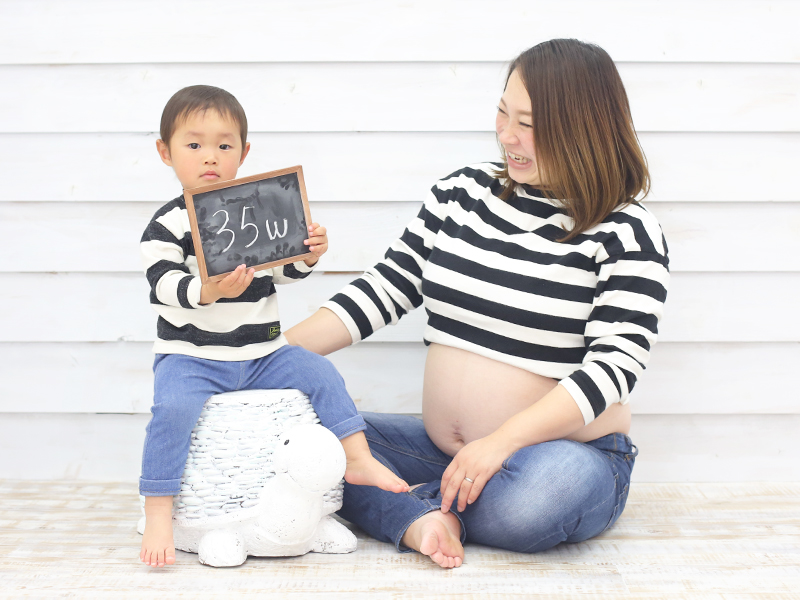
[{"x": 468, "y": 479}]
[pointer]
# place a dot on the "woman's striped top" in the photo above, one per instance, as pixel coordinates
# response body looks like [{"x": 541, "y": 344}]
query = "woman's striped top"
[
  {"x": 243, "y": 328},
  {"x": 494, "y": 281}
]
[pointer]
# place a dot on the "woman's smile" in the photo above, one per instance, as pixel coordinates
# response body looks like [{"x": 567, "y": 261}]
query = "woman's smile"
[
  {"x": 515, "y": 132},
  {"x": 515, "y": 160}
]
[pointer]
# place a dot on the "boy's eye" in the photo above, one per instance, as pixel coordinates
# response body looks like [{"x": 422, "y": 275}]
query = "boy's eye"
[
  {"x": 225, "y": 146},
  {"x": 194, "y": 145}
]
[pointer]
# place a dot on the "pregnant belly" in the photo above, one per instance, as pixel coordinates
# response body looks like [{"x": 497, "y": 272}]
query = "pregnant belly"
[{"x": 467, "y": 396}]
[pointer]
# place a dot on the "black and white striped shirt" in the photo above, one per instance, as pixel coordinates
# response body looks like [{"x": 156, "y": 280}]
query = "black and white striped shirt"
[
  {"x": 494, "y": 281},
  {"x": 242, "y": 328}
]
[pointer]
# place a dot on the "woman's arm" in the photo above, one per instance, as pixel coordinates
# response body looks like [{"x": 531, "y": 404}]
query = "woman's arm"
[
  {"x": 384, "y": 293},
  {"x": 323, "y": 333}
]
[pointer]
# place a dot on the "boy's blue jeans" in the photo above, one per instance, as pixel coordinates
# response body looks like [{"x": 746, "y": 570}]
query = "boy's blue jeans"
[
  {"x": 544, "y": 494},
  {"x": 184, "y": 383}
]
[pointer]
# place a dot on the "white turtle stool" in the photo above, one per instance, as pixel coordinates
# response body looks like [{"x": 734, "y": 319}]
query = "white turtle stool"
[{"x": 261, "y": 479}]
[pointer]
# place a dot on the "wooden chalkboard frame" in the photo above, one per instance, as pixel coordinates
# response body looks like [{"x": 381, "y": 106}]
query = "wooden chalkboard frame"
[{"x": 189, "y": 194}]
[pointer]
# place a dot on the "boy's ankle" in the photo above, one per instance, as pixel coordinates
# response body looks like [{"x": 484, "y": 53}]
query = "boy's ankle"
[
  {"x": 157, "y": 504},
  {"x": 356, "y": 446}
]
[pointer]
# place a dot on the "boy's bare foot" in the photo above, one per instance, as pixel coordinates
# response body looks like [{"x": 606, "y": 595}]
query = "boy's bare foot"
[
  {"x": 158, "y": 548},
  {"x": 437, "y": 535},
  {"x": 364, "y": 469}
]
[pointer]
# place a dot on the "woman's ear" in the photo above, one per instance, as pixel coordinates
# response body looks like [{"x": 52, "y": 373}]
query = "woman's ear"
[{"x": 163, "y": 152}]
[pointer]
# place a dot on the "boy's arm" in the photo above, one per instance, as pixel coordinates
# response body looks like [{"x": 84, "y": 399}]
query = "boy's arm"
[
  {"x": 164, "y": 258},
  {"x": 163, "y": 249}
]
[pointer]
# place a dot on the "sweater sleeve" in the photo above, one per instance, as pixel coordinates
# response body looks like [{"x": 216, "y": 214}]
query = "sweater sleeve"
[
  {"x": 291, "y": 272},
  {"x": 621, "y": 330},
  {"x": 164, "y": 249},
  {"x": 392, "y": 287}
]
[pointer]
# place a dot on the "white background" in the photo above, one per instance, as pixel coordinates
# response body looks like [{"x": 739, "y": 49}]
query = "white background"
[{"x": 377, "y": 100}]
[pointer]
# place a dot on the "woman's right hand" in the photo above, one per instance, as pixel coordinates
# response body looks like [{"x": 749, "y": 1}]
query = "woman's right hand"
[{"x": 471, "y": 468}]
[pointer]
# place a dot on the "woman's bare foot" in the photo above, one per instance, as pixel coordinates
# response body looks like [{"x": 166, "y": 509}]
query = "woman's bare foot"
[
  {"x": 158, "y": 548},
  {"x": 364, "y": 469},
  {"x": 437, "y": 535}
]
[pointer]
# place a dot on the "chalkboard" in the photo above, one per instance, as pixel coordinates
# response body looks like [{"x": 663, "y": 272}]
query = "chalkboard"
[{"x": 260, "y": 221}]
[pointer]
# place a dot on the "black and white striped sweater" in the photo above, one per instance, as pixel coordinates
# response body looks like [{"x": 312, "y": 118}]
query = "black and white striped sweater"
[
  {"x": 494, "y": 281},
  {"x": 242, "y": 328}
]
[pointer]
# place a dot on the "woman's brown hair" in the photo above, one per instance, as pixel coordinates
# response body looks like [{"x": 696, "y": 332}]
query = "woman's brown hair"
[{"x": 586, "y": 148}]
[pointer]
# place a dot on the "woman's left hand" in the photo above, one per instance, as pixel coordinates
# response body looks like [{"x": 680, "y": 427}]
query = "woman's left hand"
[{"x": 478, "y": 461}]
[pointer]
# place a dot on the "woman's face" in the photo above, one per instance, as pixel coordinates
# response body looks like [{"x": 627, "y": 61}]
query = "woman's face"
[{"x": 515, "y": 132}]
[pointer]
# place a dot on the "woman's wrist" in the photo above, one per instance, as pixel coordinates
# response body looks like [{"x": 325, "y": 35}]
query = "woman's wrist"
[
  {"x": 504, "y": 439},
  {"x": 553, "y": 417}
]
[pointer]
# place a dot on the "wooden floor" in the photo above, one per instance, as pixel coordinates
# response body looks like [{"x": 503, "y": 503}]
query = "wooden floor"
[{"x": 742, "y": 541}]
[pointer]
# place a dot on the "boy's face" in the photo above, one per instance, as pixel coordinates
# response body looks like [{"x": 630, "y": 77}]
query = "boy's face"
[{"x": 205, "y": 148}]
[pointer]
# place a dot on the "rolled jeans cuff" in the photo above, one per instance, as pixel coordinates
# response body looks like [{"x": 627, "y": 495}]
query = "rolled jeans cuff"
[
  {"x": 348, "y": 427},
  {"x": 159, "y": 487},
  {"x": 429, "y": 506}
]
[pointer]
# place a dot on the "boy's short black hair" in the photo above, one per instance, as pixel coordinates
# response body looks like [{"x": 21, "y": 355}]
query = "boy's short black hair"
[{"x": 200, "y": 98}]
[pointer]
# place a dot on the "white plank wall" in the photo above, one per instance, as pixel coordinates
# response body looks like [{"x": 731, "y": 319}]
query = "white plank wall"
[
  {"x": 687, "y": 166},
  {"x": 375, "y": 115},
  {"x": 413, "y": 31},
  {"x": 310, "y": 97}
]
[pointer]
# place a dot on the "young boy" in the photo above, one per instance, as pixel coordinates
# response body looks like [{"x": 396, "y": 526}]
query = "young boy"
[{"x": 222, "y": 336}]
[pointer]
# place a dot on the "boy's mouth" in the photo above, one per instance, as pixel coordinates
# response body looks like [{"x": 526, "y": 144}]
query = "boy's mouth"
[{"x": 209, "y": 175}]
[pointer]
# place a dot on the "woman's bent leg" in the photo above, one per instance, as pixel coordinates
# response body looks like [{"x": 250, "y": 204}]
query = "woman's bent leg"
[
  {"x": 553, "y": 492},
  {"x": 401, "y": 444}
]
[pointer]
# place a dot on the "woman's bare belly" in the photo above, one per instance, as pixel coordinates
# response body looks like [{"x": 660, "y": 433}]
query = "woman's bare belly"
[{"x": 466, "y": 397}]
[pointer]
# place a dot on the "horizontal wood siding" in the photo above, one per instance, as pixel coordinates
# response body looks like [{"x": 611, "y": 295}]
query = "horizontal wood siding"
[
  {"x": 311, "y": 97},
  {"x": 376, "y": 114},
  {"x": 385, "y": 167},
  {"x": 97, "y": 31}
]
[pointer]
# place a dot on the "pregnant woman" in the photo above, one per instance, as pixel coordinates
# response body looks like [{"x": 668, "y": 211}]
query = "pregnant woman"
[{"x": 544, "y": 281}]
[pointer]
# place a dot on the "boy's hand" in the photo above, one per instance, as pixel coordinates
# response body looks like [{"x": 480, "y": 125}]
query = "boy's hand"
[
  {"x": 317, "y": 243},
  {"x": 231, "y": 286}
]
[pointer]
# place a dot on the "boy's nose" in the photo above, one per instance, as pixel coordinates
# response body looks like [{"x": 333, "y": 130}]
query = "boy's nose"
[{"x": 211, "y": 159}]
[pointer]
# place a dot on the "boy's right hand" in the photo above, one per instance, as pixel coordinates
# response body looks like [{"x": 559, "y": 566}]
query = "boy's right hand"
[{"x": 231, "y": 286}]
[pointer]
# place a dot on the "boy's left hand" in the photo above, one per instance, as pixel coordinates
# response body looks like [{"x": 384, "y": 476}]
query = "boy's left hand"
[{"x": 317, "y": 243}]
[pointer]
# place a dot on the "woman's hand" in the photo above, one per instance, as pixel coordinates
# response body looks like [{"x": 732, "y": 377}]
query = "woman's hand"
[
  {"x": 553, "y": 417},
  {"x": 478, "y": 460}
]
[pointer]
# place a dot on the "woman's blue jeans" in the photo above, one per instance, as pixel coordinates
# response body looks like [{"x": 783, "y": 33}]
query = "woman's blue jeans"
[
  {"x": 559, "y": 491},
  {"x": 184, "y": 383}
]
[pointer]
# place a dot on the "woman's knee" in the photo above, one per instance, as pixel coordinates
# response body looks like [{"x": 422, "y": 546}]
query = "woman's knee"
[{"x": 544, "y": 495}]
